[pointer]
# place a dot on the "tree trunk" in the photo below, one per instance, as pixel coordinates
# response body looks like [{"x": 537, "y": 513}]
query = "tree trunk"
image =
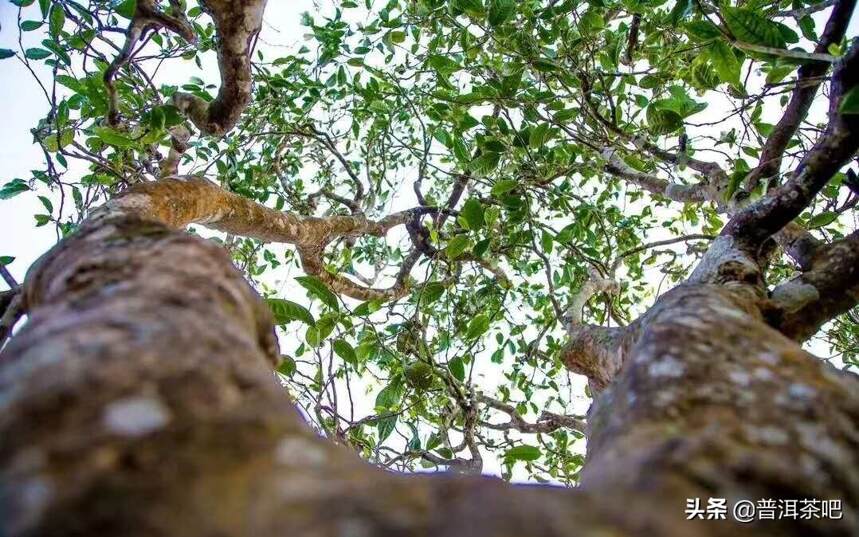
[{"x": 139, "y": 400}]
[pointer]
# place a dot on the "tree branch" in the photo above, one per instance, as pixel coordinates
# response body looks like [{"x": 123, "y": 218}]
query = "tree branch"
[
  {"x": 147, "y": 15},
  {"x": 759, "y": 221},
  {"x": 673, "y": 191},
  {"x": 191, "y": 200},
  {"x": 592, "y": 350},
  {"x": 546, "y": 423},
  {"x": 237, "y": 24},
  {"x": 809, "y": 78},
  {"x": 829, "y": 288}
]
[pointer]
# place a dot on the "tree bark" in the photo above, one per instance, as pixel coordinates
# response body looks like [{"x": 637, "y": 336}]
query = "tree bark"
[{"x": 139, "y": 400}]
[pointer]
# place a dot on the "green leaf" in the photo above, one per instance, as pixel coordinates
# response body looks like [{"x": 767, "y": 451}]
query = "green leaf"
[
  {"x": 778, "y": 73},
  {"x": 751, "y": 27},
  {"x": 52, "y": 145},
  {"x": 806, "y": 26},
  {"x": 46, "y": 203},
  {"x": 734, "y": 182},
  {"x": 6, "y": 259},
  {"x": 317, "y": 288},
  {"x": 36, "y": 53},
  {"x": 472, "y": 212},
  {"x": 850, "y": 102},
  {"x": 286, "y": 311},
  {"x": 702, "y": 30},
  {"x": 113, "y": 137},
  {"x": 344, "y": 350},
  {"x": 822, "y": 219},
  {"x": 443, "y": 65},
  {"x": 13, "y": 188},
  {"x": 457, "y": 368},
  {"x": 287, "y": 366},
  {"x": 456, "y": 246},
  {"x": 538, "y": 135},
  {"x": 316, "y": 334},
  {"x": 504, "y": 186},
  {"x": 485, "y": 163},
  {"x": 680, "y": 103},
  {"x": 431, "y": 292},
  {"x": 477, "y": 327},
  {"x": 29, "y": 26},
  {"x": 500, "y": 11},
  {"x": 523, "y": 453},
  {"x": 663, "y": 121},
  {"x": 366, "y": 308},
  {"x": 591, "y": 22},
  {"x": 397, "y": 37},
  {"x": 388, "y": 397},
  {"x": 56, "y": 20},
  {"x": 546, "y": 242},
  {"x": 386, "y": 426},
  {"x": 126, "y": 8},
  {"x": 725, "y": 62},
  {"x": 680, "y": 11},
  {"x": 6, "y": 53}
]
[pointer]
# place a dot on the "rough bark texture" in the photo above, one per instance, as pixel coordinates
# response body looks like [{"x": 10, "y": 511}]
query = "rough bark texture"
[
  {"x": 180, "y": 201},
  {"x": 237, "y": 23},
  {"x": 146, "y": 364}
]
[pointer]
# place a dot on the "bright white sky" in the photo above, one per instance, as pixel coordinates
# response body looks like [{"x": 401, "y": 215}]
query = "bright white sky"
[{"x": 23, "y": 105}]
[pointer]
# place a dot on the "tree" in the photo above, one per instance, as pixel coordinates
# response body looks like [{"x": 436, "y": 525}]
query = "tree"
[{"x": 138, "y": 398}]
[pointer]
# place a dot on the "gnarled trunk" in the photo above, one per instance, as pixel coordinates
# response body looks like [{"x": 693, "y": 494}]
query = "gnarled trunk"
[{"x": 139, "y": 400}]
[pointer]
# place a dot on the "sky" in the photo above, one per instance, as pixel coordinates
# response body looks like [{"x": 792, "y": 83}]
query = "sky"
[{"x": 23, "y": 105}]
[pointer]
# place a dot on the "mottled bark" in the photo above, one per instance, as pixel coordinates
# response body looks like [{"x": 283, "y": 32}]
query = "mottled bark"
[
  {"x": 237, "y": 24},
  {"x": 826, "y": 289},
  {"x": 139, "y": 400},
  {"x": 180, "y": 201}
]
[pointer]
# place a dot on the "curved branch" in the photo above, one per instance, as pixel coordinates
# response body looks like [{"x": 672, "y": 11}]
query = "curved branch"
[
  {"x": 761, "y": 220},
  {"x": 673, "y": 191},
  {"x": 592, "y": 350},
  {"x": 237, "y": 24},
  {"x": 828, "y": 289},
  {"x": 146, "y": 16},
  {"x": 191, "y": 200},
  {"x": 546, "y": 423},
  {"x": 807, "y": 81}
]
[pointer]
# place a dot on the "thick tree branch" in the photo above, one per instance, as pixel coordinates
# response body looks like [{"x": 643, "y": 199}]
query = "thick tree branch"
[
  {"x": 546, "y": 423},
  {"x": 807, "y": 81},
  {"x": 829, "y": 288},
  {"x": 192, "y": 200},
  {"x": 759, "y": 221},
  {"x": 673, "y": 191},
  {"x": 592, "y": 350},
  {"x": 11, "y": 311},
  {"x": 237, "y": 23},
  {"x": 809, "y": 10},
  {"x": 632, "y": 39}
]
